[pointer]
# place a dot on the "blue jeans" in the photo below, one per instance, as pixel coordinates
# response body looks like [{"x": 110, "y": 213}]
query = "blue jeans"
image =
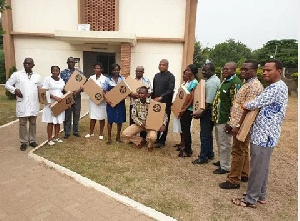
[{"x": 206, "y": 136}]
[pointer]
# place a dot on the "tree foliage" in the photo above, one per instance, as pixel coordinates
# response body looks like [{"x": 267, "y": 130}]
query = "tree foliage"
[
  {"x": 3, "y": 6},
  {"x": 285, "y": 50},
  {"x": 200, "y": 54},
  {"x": 229, "y": 51}
]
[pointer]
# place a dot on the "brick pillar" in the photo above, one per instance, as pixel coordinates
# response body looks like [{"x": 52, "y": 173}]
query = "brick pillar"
[{"x": 125, "y": 59}]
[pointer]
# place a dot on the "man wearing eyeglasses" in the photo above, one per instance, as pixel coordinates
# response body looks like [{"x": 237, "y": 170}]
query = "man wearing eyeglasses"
[
  {"x": 220, "y": 115},
  {"x": 240, "y": 152}
]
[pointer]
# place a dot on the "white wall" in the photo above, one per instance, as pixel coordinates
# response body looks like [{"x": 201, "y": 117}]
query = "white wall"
[
  {"x": 150, "y": 54},
  {"x": 153, "y": 18},
  {"x": 44, "y": 16}
]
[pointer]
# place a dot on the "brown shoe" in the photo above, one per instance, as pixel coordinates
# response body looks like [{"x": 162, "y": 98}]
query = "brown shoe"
[
  {"x": 150, "y": 149},
  {"x": 141, "y": 144}
]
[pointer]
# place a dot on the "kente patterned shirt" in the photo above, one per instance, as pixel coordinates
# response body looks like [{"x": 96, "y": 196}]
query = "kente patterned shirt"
[
  {"x": 265, "y": 131},
  {"x": 224, "y": 99},
  {"x": 250, "y": 90},
  {"x": 139, "y": 112}
]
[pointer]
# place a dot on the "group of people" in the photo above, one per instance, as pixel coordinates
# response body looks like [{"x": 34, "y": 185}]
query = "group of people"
[{"x": 226, "y": 105}]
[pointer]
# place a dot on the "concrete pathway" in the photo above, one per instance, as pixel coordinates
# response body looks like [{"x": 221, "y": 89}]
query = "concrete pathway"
[{"x": 29, "y": 190}]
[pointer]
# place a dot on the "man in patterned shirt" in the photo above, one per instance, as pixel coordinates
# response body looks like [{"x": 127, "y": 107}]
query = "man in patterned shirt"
[
  {"x": 220, "y": 115},
  {"x": 139, "y": 115},
  {"x": 265, "y": 132},
  {"x": 75, "y": 108},
  {"x": 139, "y": 76},
  {"x": 239, "y": 170}
]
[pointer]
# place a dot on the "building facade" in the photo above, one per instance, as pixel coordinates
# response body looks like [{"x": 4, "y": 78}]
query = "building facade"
[{"x": 128, "y": 32}]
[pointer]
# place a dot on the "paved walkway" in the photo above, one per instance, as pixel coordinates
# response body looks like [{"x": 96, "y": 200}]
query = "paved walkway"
[{"x": 31, "y": 191}]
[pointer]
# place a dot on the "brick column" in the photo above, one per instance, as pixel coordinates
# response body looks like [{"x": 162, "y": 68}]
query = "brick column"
[{"x": 125, "y": 59}]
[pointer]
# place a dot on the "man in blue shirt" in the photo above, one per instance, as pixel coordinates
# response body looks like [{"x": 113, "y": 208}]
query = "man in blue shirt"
[
  {"x": 265, "y": 132},
  {"x": 75, "y": 108}
]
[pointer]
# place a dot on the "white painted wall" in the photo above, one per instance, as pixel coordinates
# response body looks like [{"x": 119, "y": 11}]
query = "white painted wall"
[
  {"x": 44, "y": 16},
  {"x": 150, "y": 54},
  {"x": 153, "y": 18}
]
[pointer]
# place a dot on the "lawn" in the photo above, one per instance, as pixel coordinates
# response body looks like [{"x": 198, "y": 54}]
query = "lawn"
[
  {"x": 7, "y": 108},
  {"x": 175, "y": 186}
]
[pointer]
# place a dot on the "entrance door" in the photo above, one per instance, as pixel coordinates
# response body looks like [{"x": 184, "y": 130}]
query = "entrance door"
[{"x": 90, "y": 58}]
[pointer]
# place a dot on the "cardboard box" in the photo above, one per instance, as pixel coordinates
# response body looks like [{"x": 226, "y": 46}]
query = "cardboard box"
[
  {"x": 133, "y": 84},
  {"x": 180, "y": 100},
  {"x": 118, "y": 93},
  {"x": 246, "y": 125},
  {"x": 75, "y": 82},
  {"x": 44, "y": 96},
  {"x": 94, "y": 91},
  {"x": 66, "y": 102},
  {"x": 155, "y": 117},
  {"x": 199, "y": 97}
]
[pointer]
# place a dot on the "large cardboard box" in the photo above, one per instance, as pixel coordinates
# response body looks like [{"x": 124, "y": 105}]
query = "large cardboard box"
[
  {"x": 66, "y": 102},
  {"x": 246, "y": 125},
  {"x": 133, "y": 84},
  {"x": 94, "y": 91},
  {"x": 199, "y": 97},
  {"x": 180, "y": 100},
  {"x": 155, "y": 117},
  {"x": 44, "y": 96},
  {"x": 118, "y": 93},
  {"x": 75, "y": 82}
]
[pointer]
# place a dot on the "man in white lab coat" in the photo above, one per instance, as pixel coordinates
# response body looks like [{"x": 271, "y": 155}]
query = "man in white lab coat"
[{"x": 25, "y": 85}]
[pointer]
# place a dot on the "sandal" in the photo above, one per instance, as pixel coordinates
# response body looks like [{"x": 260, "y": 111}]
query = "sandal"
[
  {"x": 241, "y": 202},
  {"x": 260, "y": 201},
  {"x": 108, "y": 142}
]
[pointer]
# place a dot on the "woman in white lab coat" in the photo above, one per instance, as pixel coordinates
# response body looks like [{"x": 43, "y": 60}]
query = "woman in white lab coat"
[
  {"x": 97, "y": 111},
  {"x": 56, "y": 86}
]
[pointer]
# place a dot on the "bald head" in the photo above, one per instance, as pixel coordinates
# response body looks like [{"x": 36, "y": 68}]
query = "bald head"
[{"x": 229, "y": 69}]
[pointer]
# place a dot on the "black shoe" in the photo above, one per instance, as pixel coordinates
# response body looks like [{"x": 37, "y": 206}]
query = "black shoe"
[
  {"x": 217, "y": 164},
  {"x": 76, "y": 134},
  {"x": 33, "y": 144},
  {"x": 159, "y": 145},
  {"x": 199, "y": 161},
  {"x": 23, "y": 147},
  {"x": 66, "y": 136},
  {"x": 211, "y": 158},
  {"x": 227, "y": 185},
  {"x": 244, "y": 179},
  {"x": 220, "y": 171}
]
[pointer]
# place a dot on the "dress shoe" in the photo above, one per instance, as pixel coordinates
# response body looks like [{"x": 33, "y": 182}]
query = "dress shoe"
[
  {"x": 159, "y": 145},
  {"x": 217, "y": 164},
  {"x": 199, "y": 161},
  {"x": 33, "y": 144},
  {"x": 143, "y": 142},
  {"x": 183, "y": 154},
  {"x": 76, "y": 134},
  {"x": 220, "y": 171},
  {"x": 227, "y": 185},
  {"x": 244, "y": 179},
  {"x": 66, "y": 136},
  {"x": 211, "y": 158},
  {"x": 23, "y": 147}
]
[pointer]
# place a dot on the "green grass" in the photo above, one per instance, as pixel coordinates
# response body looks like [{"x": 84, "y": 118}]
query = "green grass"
[{"x": 7, "y": 108}]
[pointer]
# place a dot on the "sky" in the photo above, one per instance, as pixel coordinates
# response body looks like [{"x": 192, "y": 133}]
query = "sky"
[{"x": 252, "y": 22}]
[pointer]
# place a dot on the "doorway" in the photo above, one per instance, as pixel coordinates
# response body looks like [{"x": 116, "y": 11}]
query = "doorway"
[{"x": 90, "y": 58}]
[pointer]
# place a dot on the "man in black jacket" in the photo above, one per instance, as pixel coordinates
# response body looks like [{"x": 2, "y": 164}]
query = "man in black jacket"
[{"x": 163, "y": 89}]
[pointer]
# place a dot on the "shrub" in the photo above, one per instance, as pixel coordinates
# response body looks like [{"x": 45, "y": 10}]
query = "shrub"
[
  {"x": 7, "y": 93},
  {"x": 295, "y": 76}
]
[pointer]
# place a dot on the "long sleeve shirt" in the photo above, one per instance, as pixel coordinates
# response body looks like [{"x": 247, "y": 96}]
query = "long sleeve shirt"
[
  {"x": 224, "y": 99},
  {"x": 250, "y": 90},
  {"x": 163, "y": 86},
  {"x": 139, "y": 112},
  {"x": 272, "y": 102}
]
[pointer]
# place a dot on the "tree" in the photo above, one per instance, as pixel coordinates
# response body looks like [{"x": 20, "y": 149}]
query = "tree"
[
  {"x": 285, "y": 50},
  {"x": 200, "y": 54},
  {"x": 229, "y": 51},
  {"x": 3, "y": 6}
]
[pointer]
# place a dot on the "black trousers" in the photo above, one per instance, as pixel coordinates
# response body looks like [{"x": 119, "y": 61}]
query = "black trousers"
[
  {"x": 185, "y": 122},
  {"x": 162, "y": 139}
]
